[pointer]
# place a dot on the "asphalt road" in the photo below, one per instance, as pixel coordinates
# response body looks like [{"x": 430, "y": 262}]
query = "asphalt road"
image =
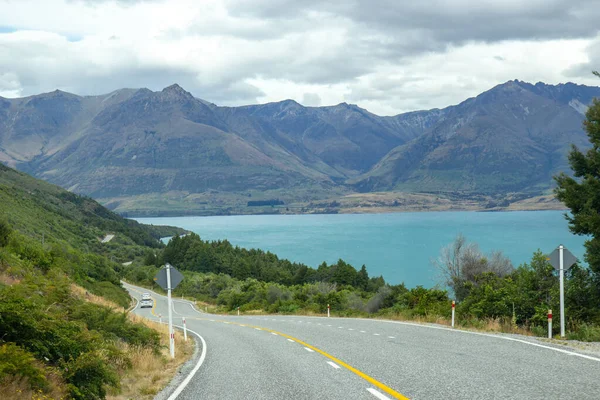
[{"x": 294, "y": 357}]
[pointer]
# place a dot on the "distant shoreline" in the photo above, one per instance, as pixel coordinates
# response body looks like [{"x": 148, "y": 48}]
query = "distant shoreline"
[{"x": 364, "y": 211}]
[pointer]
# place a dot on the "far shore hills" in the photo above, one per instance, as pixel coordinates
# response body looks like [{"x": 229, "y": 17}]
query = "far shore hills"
[{"x": 354, "y": 203}]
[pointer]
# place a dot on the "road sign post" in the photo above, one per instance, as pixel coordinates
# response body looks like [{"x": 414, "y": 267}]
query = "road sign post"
[
  {"x": 168, "y": 278},
  {"x": 562, "y": 259},
  {"x": 170, "y": 305},
  {"x": 562, "y": 290}
]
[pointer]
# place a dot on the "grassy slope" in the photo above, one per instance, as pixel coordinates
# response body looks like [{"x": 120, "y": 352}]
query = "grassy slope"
[
  {"x": 53, "y": 240},
  {"x": 51, "y": 214}
]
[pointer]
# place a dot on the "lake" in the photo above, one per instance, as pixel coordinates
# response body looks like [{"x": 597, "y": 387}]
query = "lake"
[{"x": 398, "y": 246}]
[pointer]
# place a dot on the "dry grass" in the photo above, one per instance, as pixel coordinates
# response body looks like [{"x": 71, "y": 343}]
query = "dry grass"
[
  {"x": 83, "y": 294},
  {"x": 151, "y": 372},
  {"x": 9, "y": 280},
  {"x": 18, "y": 389}
]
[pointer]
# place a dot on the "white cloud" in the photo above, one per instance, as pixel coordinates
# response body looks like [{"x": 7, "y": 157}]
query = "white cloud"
[{"x": 384, "y": 56}]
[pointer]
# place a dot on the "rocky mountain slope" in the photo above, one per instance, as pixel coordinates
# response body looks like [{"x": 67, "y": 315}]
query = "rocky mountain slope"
[
  {"x": 512, "y": 138},
  {"x": 135, "y": 142}
]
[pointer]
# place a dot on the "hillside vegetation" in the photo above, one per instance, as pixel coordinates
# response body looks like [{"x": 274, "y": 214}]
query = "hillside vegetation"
[
  {"x": 488, "y": 290},
  {"x": 55, "y": 342}
]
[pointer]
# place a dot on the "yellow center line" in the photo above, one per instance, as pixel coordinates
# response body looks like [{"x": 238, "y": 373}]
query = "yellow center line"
[{"x": 350, "y": 368}]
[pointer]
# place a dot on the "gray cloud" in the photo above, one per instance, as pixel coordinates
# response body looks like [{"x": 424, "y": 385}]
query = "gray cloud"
[
  {"x": 311, "y": 99},
  {"x": 445, "y": 21},
  {"x": 375, "y": 53}
]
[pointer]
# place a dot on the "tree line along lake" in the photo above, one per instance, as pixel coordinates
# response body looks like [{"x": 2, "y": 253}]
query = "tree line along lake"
[{"x": 398, "y": 246}]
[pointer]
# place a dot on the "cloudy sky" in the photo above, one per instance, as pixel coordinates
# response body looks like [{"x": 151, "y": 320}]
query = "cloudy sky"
[{"x": 388, "y": 56}]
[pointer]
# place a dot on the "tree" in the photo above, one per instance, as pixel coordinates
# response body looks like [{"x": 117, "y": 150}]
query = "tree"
[
  {"x": 461, "y": 263},
  {"x": 581, "y": 194},
  {"x": 5, "y": 231}
]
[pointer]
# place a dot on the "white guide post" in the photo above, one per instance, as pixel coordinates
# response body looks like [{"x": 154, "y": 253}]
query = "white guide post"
[
  {"x": 184, "y": 330},
  {"x": 170, "y": 305},
  {"x": 453, "y": 306},
  {"x": 562, "y": 290},
  {"x": 327, "y": 310},
  {"x": 549, "y": 324},
  {"x": 238, "y": 311}
]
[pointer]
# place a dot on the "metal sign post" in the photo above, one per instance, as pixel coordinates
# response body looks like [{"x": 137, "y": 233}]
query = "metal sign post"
[
  {"x": 170, "y": 305},
  {"x": 168, "y": 278},
  {"x": 562, "y": 259}
]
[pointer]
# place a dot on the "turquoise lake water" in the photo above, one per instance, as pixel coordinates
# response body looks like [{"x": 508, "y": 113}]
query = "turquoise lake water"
[{"x": 398, "y": 246}]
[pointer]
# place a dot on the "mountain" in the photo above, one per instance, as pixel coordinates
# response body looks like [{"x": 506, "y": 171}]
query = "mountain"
[
  {"x": 512, "y": 138},
  {"x": 138, "y": 149}
]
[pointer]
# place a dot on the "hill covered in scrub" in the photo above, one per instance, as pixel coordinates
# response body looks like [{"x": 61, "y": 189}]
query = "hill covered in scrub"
[{"x": 54, "y": 341}]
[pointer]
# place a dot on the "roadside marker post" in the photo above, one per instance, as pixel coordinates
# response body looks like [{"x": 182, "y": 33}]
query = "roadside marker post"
[
  {"x": 562, "y": 259},
  {"x": 549, "y": 324},
  {"x": 184, "y": 330},
  {"x": 453, "y": 306},
  {"x": 327, "y": 310},
  {"x": 168, "y": 278},
  {"x": 160, "y": 318},
  {"x": 238, "y": 311}
]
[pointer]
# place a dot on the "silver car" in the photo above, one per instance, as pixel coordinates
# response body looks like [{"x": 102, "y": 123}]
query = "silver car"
[{"x": 147, "y": 303}]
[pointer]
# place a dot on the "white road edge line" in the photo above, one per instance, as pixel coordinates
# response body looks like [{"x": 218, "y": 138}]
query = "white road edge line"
[
  {"x": 377, "y": 394},
  {"x": 571, "y": 353},
  {"x": 290, "y": 340},
  {"x": 309, "y": 350},
  {"x": 334, "y": 365},
  {"x": 273, "y": 333},
  {"x": 187, "y": 380}
]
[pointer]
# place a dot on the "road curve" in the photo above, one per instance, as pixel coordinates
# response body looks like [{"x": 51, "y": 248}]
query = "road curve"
[{"x": 294, "y": 357}]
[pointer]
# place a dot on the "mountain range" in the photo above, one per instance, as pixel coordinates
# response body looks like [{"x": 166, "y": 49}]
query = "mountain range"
[{"x": 168, "y": 146}]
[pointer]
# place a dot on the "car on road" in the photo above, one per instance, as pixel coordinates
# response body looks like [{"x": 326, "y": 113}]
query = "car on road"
[
  {"x": 147, "y": 303},
  {"x": 146, "y": 296}
]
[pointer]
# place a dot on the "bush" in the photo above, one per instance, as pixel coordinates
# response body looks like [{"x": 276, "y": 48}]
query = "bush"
[
  {"x": 88, "y": 375},
  {"x": 5, "y": 231},
  {"x": 585, "y": 333},
  {"x": 16, "y": 362}
]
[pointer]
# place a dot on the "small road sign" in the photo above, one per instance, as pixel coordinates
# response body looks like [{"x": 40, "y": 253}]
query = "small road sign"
[
  {"x": 161, "y": 277},
  {"x": 568, "y": 259}
]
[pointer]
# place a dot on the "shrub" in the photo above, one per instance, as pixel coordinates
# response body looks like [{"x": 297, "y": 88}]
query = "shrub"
[
  {"x": 16, "y": 362},
  {"x": 5, "y": 231},
  {"x": 88, "y": 375}
]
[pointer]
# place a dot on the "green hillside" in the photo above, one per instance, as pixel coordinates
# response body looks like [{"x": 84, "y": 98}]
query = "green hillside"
[
  {"x": 52, "y": 215},
  {"x": 55, "y": 342}
]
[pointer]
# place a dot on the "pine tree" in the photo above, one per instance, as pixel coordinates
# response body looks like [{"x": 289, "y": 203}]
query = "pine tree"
[{"x": 581, "y": 194}]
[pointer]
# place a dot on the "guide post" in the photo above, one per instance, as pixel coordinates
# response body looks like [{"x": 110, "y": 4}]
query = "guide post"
[{"x": 453, "y": 306}]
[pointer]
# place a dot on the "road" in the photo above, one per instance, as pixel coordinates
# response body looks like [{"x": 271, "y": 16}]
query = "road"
[{"x": 295, "y": 357}]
